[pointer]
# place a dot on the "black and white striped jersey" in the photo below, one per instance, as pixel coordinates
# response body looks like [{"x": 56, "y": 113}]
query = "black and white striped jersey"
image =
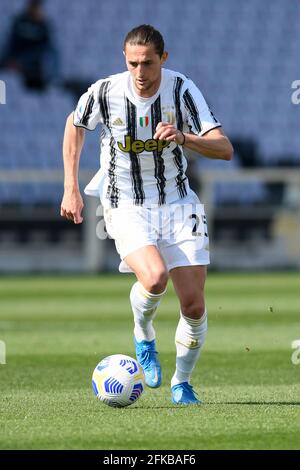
[{"x": 135, "y": 168}]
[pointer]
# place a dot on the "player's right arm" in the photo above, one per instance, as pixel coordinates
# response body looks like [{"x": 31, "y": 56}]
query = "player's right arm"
[
  {"x": 85, "y": 116},
  {"x": 72, "y": 203}
]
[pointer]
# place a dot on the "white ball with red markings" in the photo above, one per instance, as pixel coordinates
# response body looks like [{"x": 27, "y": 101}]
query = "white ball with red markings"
[{"x": 118, "y": 380}]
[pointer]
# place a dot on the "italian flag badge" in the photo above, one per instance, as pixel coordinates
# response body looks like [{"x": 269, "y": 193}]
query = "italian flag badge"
[{"x": 144, "y": 121}]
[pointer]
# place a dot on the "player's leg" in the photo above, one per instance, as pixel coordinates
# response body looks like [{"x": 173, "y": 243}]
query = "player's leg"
[
  {"x": 146, "y": 293},
  {"x": 186, "y": 252},
  {"x": 149, "y": 268},
  {"x": 189, "y": 284},
  {"x": 145, "y": 296}
]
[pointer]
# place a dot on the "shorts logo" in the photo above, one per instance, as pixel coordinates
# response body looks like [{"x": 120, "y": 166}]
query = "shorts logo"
[
  {"x": 138, "y": 146},
  {"x": 144, "y": 121}
]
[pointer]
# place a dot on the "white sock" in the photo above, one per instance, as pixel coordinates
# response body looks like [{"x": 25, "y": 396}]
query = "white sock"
[
  {"x": 144, "y": 305},
  {"x": 189, "y": 339}
]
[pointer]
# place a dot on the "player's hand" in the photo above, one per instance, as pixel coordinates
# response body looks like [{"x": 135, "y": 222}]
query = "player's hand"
[
  {"x": 72, "y": 205},
  {"x": 166, "y": 131}
]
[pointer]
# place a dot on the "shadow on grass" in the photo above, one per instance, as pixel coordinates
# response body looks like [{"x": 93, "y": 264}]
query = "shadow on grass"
[
  {"x": 184, "y": 407},
  {"x": 275, "y": 403}
]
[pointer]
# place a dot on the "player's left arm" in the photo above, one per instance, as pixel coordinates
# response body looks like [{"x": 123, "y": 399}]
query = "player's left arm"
[
  {"x": 204, "y": 133},
  {"x": 213, "y": 144}
]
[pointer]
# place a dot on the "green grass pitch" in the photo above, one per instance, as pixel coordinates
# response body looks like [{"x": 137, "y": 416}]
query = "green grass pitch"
[{"x": 56, "y": 329}]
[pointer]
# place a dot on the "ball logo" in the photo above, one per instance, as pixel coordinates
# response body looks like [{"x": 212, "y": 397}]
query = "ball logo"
[
  {"x": 130, "y": 366},
  {"x": 136, "y": 392},
  {"x": 112, "y": 385},
  {"x": 103, "y": 364},
  {"x": 96, "y": 391}
]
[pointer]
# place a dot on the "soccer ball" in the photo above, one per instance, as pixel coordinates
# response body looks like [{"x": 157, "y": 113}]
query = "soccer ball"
[{"x": 118, "y": 380}]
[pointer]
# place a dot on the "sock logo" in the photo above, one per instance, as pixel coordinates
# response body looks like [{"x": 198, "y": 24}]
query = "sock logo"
[
  {"x": 193, "y": 343},
  {"x": 190, "y": 344}
]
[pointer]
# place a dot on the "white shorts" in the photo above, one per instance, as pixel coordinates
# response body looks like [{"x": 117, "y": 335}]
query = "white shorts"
[{"x": 178, "y": 230}]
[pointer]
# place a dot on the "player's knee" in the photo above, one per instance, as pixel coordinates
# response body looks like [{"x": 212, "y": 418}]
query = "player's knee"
[
  {"x": 193, "y": 309},
  {"x": 156, "y": 281}
]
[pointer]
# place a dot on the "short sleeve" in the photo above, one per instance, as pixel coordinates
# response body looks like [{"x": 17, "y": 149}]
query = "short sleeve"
[
  {"x": 87, "y": 112},
  {"x": 200, "y": 118}
]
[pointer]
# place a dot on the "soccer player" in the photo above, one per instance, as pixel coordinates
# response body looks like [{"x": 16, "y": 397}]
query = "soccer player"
[{"x": 149, "y": 115}]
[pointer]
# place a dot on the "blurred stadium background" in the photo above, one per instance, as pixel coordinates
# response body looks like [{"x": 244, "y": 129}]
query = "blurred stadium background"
[{"x": 244, "y": 56}]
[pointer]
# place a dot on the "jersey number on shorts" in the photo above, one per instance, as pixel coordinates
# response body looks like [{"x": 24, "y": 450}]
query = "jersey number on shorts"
[{"x": 196, "y": 225}]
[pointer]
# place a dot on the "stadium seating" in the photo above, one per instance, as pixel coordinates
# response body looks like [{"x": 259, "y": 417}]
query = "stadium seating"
[{"x": 243, "y": 55}]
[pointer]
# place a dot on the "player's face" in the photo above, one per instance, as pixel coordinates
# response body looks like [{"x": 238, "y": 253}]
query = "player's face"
[{"x": 144, "y": 65}]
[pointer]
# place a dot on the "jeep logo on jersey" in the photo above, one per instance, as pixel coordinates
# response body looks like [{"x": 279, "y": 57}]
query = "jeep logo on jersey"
[{"x": 138, "y": 146}]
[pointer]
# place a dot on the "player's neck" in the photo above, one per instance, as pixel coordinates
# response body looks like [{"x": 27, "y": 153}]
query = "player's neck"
[{"x": 147, "y": 93}]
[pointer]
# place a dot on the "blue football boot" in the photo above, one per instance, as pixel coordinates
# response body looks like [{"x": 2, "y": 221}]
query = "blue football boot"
[
  {"x": 147, "y": 357},
  {"x": 183, "y": 394}
]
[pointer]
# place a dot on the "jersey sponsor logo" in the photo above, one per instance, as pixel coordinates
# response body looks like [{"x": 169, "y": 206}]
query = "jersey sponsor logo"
[
  {"x": 138, "y": 146},
  {"x": 144, "y": 121},
  {"x": 118, "y": 122}
]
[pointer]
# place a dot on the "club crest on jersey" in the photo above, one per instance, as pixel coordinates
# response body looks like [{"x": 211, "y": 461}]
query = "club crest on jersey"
[
  {"x": 138, "y": 146},
  {"x": 144, "y": 121},
  {"x": 169, "y": 117}
]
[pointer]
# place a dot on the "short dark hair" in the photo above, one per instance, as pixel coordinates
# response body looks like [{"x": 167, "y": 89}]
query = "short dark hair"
[{"x": 143, "y": 35}]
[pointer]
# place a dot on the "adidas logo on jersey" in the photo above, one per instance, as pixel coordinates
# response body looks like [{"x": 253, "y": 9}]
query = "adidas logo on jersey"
[
  {"x": 138, "y": 146},
  {"x": 118, "y": 122}
]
